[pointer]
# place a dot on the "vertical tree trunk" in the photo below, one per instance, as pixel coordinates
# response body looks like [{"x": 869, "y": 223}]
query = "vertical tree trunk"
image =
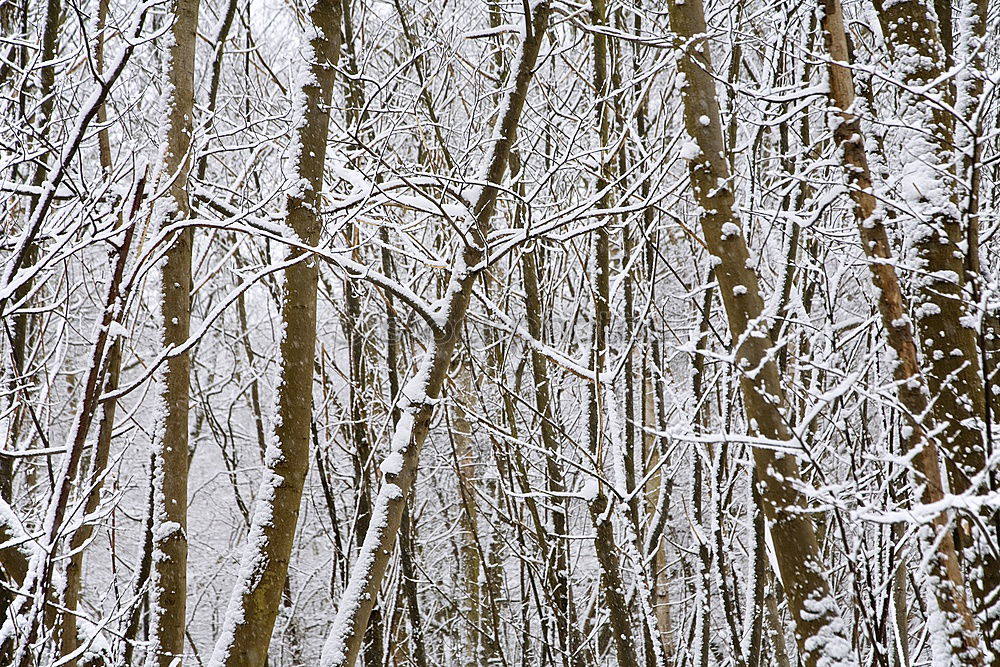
[
  {"x": 360, "y": 437},
  {"x": 612, "y": 584},
  {"x": 946, "y": 580},
  {"x": 984, "y": 579},
  {"x": 13, "y": 562},
  {"x": 702, "y": 419},
  {"x": 409, "y": 584},
  {"x": 39, "y": 575},
  {"x": 131, "y": 623},
  {"x": 776, "y": 630},
  {"x": 952, "y": 363},
  {"x": 253, "y": 607},
  {"x": 169, "y": 582},
  {"x": 652, "y": 455},
  {"x": 557, "y": 562},
  {"x": 820, "y": 630},
  {"x": 950, "y": 356},
  {"x": 471, "y": 565},
  {"x": 22, "y": 321},
  {"x": 900, "y": 606}
]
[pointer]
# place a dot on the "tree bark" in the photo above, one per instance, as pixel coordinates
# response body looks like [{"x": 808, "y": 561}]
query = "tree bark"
[
  {"x": 102, "y": 450},
  {"x": 22, "y": 320},
  {"x": 950, "y": 354},
  {"x": 952, "y": 361},
  {"x": 344, "y": 640},
  {"x": 169, "y": 575},
  {"x": 557, "y": 558},
  {"x": 612, "y": 584},
  {"x": 984, "y": 578},
  {"x": 465, "y": 469},
  {"x": 820, "y": 630},
  {"x": 253, "y": 607},
  {"x": 946, "y": 580}
]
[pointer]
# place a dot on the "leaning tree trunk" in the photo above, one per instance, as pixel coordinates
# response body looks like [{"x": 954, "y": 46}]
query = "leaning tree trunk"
[
  {"x": 169, "y": 576},
  {"x": 73, "y": 586},
  {"x": 820, "y": 630},
  {"x": 345, "y": 638},
  {"x": 35, "y": 589},
  {"x": 948, "y": 587},
  {"x": 253, "y": 607}
]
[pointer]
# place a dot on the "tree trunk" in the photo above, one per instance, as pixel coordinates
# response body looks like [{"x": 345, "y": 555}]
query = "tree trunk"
[
  {"x": 344, "y": 640},
  {"x": 465, "y": 468},
  {"x": 612, "y": 584},
  {"x": 557, "y": 561},
  {"x": 253, "y": 607},
  {"x": 946, "y": 579},
  {"x": 99, "y": 462},
  {"x": 950, "y": 356},
  {"x": 821, "y": 634},
  {"x": 22, "y": 320},
  {"x": 98, "y": 465},
  {"x": 169, "y": 582},
  {"x": 984, "y": 577}
]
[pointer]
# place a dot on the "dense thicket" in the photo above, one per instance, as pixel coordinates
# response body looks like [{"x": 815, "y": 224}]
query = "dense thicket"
[{"x": 499, "y": 333}]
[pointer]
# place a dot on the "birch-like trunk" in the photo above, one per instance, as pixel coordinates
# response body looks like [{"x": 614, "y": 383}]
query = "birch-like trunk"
[
  {"x": 256, "y": 598},
  {"x": 820, "y": 630}
]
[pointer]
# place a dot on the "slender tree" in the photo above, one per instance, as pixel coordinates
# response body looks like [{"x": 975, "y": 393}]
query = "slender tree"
[
  {"x": 946, "y": 580},
  {"x": 170, "y": 542},
  {"x": 345, "y": 638},
  {"x": 820, "y": 630},
  {"x": 253, "y": 607},
  {"x": 950, "y": 352}
]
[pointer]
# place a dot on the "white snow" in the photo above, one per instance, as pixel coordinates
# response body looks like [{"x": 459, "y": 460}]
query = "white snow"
[{"x": 392, "y": 464}]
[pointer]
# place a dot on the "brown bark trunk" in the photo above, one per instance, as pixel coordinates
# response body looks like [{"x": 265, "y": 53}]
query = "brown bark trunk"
[
  {"x": 984, "y": 579},
  {"x": 13, "y": 562},
  {"x": 253, "y": 607},
  {"x": 949, "y": 349},
  {"x": 98, "y": 466},
  {"x": 345, "y": 637},
  {"x": 612, "y": 584},
  {"x": 169, "y": 583},
  {"x": 654, "y": 487},
  {"x": 946, "y": 577},
  {"x": 820, "y": 630},
  {"x": 471, "y": 565},
  {"x": 22, "y": 321},
  {"x": 557, "y": 561}
]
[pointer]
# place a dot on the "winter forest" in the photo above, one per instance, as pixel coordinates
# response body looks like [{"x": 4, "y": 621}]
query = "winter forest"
[{"x": 500, "y": 333}]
